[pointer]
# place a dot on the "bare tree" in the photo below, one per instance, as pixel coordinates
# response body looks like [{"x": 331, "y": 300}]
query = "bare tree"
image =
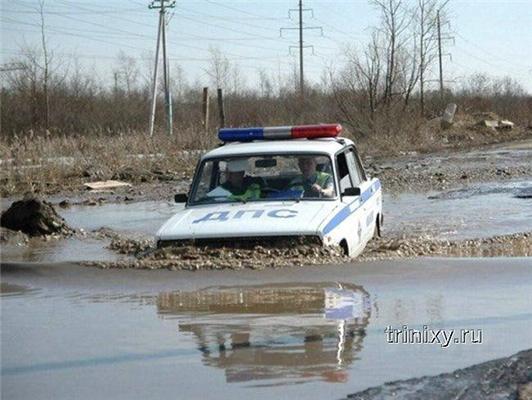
[
  {"x": 219, "y": 68},
  {"x": 426, "y": 15},
  {"x": 395, "y": 20},
  {"x": 126, "y": 72},
  {"x": 265, "y": 84},
  {"x": 45, "y": 67}
]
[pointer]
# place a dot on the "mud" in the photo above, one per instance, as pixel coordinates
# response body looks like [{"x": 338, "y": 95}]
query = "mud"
[
  {"x": 11, "y": 237},
  {"x": 34, "y": 217},
  {"x": 273, "y": 253},
  {"x": 505, "y": 378},
  {"x": 278, "y": 253},
  {"x": 440, "y": 171},
  {"x": 513, "y": 245}
]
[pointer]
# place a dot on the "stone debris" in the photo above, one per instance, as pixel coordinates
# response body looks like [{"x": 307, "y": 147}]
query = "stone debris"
[
  {"x": 489, "y": 123},
  {"x": 105, "y": 185},
  {"x": 505, "y": 124},
  {"x": 496, "y": 124},
  {"x": 34, "y": 217},
  {"x": 505, "y": 378},
  {"x": 447, "y": 118}
]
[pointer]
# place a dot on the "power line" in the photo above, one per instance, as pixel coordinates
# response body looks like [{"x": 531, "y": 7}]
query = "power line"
[
  {"x": 301, "y": 28},
  {"x": 249, "y": 14},
  {"x": 491, "y": 54}
]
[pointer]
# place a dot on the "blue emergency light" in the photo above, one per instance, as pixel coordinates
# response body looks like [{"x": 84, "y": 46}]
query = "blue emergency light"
[{"x": 279, "y": 132}]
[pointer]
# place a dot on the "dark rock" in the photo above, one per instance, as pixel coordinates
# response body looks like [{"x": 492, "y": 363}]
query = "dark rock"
[{"x": 34, "y": 217}]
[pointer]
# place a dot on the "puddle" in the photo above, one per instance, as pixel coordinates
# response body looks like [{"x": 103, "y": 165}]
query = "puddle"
[
  {"x": 60, "y": 250},
  {"x": 8, "y": 289},
  {"x": 294, "y": 339},
  {"x": 516, "y": 189},
  {"x": 477, "y": 211},
  {"x": 288, "y": 333},
  {"x": 137, "y": 218}
]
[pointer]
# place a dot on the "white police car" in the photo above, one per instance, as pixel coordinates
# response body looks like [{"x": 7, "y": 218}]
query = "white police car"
[{"x": 279, "y": 182}]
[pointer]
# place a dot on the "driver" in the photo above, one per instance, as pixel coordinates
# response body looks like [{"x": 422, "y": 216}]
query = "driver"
[
  {"x": 241, "y": 186},
  {"x": 313, "y": 183}
]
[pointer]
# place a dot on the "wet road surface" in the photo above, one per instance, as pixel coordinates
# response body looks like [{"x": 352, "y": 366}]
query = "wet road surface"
[{"x": 317, "y": 332}]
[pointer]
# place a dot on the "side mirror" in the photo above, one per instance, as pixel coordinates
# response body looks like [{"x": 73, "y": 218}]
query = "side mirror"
[
  {"x": 352, "y": 191},
  {"x": 181, "y": 198}
]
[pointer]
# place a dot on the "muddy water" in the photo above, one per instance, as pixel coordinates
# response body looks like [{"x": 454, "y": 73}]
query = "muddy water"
[
  {"x": 479, "y": 210},
  {"x": 69, "y": 331}
]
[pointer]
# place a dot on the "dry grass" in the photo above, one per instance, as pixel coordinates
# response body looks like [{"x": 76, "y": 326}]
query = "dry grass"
[{"x": 49, "y": 163}]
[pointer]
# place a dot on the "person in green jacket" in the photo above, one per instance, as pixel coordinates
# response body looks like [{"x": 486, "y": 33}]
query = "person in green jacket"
[
  {"x": 313, "y": 183},
  {"x": 241, "y": 187}
]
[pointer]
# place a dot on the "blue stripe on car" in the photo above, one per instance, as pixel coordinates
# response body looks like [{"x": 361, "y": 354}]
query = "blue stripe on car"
[{"x": 346, "y": 211}]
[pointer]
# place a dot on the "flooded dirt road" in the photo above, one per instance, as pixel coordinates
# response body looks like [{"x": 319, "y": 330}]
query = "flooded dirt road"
[
  {"x": 478, "y": 211},
  {"x": 314, "y": 333},
  {"x": 319, "y": 332}
]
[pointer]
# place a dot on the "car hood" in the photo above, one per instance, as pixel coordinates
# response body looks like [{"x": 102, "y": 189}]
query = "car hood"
[{"x": 282, "y": 218}]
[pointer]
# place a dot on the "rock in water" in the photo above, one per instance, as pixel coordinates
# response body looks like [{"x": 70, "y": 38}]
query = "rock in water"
[{"x": 34, "y": 217}]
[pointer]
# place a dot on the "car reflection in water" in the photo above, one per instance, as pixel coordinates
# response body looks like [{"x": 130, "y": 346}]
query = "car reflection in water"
[{"x": 286, "y": 333}]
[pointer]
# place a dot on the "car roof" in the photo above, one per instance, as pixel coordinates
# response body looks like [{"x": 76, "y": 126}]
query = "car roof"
[{"x": 323, "y": 145}]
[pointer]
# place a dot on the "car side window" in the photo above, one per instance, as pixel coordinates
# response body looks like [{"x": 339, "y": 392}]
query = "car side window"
[
  {"x": 360, "y": 167},
  {"x": 353, "y": 167},
  {"x": 343, "y": 172}
]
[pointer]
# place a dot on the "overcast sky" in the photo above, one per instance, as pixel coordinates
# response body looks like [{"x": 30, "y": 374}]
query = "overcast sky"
[{"x": 494, "y": 37}]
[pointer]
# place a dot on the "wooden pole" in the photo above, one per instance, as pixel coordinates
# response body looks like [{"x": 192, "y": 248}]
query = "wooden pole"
[
  {"x": 205, "y": 109},
  {"x": 221, "y": 108}
]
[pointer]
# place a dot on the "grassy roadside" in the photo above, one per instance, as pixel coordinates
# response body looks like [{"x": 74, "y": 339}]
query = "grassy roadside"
[{"x": 47, "y": 164}]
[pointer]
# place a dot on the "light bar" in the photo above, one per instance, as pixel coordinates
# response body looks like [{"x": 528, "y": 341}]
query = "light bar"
[{"x": 279, "y": 132}]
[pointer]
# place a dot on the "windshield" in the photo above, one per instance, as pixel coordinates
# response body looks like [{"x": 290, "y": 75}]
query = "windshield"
[{"x": 263, "y": 177}]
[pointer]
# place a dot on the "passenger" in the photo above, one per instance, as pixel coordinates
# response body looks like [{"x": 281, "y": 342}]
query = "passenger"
[
  {"x": 313, "y": 183},
  {"x": 241, "y": 186}
]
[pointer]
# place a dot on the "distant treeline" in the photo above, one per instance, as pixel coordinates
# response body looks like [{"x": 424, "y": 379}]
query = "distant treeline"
[{"x": 382, "y": 88}]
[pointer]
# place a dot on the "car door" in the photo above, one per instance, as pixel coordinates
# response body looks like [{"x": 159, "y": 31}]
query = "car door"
[
  {"x": 359, "y": 179},
  {"x": 353, "y": 228}
]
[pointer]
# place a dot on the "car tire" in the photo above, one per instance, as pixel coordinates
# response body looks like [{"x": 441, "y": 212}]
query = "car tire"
[{"x": 378, "y": 230}]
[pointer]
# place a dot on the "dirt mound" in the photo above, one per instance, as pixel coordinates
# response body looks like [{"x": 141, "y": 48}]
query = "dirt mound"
[
  {"x": 506, "y": 378},
  {"x": 34, "y": 217}
]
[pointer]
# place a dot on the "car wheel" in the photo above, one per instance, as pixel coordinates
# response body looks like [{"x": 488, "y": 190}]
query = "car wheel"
[
  {"x": 378, "y": 232},
  {"x": 345, "y": 247}
]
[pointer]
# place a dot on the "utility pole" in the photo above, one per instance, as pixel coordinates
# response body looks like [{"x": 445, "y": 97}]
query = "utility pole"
[
  {"x": 205, "y": 109},
  {"x": 162, "y": 5},
  {"x": 301, "y": 79},
  {"x": 440, "y": 55},
  {"x": 301, "y": 45}
]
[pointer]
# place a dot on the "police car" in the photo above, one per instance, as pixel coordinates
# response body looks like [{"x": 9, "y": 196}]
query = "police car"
[{"x": 271, "y": 182}]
